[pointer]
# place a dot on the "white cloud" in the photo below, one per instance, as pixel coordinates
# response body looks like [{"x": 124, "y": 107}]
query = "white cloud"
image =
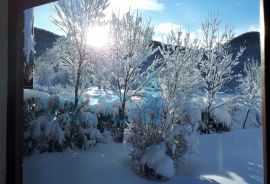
[
  {"x": 166, "y": 27},
  {"x": 163, "y": 29},
  {"x": 254, "y": 28},
  {"x": 125, "y": 5}
]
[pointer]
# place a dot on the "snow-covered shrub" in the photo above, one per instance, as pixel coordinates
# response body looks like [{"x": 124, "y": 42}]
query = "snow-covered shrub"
[
  {"x": 84, "y": 128},
  {"x": 109, "y": 123},
  {"x": 178, "y": 141},
  {"x": 42, "y": 129},
  {"x": 140, "y": 136},
  {"x": 48, "y": 133},
  {"x": 109, "y": 120},
  {"x": 181, "y": 142},
  {"x": 32, "y": 109},
  {"x": 53, "y": 124},
  {"x": 219, "y": 121},
  {"x": 176, "y": 147},
  {"x": 155, "y": 164},
  {"x": 221, "y": 115},
  {"x": 239, "y": 115}
]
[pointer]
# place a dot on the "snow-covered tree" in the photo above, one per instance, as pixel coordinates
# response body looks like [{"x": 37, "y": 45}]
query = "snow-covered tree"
[
  {"x": 130, "y": 46},
  {"x": 47, "y": 70},
  {"x": 175, "y": 132},
  {"x": 75, "y": 17},
  {"x": 179, "y": 73},
  {"x": 251, "y": 85},
  {"x": 218, "y": 61}
]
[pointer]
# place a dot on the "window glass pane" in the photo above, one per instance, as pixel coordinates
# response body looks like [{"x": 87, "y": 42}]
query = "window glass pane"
[{"x": 143, "y": 91}]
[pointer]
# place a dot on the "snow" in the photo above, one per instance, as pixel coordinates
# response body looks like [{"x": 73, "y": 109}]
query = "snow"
[
  {"x": 107, "y": 103},
  {"x": 222, "y": 116},
  {"x": 107, "y": 137},
  {"x": 88, "y": 118},
  {"x": 233, "y": 157},
  {"x": 28, "y": 35},
  {"x": 45, "y": 127},
  {"x": 41, "y": 123},
  {"x": 155, "y": 158},
  {"x": 28, "y": 94}
]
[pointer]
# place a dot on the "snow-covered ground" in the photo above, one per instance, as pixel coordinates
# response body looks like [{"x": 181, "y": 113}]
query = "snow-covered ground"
[{"x": 228, "y": 158}]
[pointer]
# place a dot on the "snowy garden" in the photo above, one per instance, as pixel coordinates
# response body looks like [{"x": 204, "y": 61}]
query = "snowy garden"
[{"x": 125, "y": 114}]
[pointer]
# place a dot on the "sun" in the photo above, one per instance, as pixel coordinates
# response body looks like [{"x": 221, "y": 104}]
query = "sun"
[{"x": 97, "y": 36}]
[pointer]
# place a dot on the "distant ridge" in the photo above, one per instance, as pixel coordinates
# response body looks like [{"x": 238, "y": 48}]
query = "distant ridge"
[
  {"x": 251, "y": 40},
  {"x": 44, "y": 40}
]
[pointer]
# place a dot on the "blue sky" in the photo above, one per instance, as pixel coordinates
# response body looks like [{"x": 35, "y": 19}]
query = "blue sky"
[{"x": 167, "y": 14}]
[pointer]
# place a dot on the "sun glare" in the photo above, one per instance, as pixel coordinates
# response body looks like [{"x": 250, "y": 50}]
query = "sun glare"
[{"x": 97, "y": 36}]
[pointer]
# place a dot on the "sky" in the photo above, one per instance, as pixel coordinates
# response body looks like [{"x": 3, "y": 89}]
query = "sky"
[{"x": 165, "y": 15}]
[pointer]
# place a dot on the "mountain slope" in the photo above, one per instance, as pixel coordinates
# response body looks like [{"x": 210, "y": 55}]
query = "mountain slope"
[
  {"x": 250, "y": 40},
  {"x": 44, "y": 40}
]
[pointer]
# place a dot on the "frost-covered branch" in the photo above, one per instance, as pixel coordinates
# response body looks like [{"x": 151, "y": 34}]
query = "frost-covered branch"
[
  {"x": 251, "y": 85},
  {"x": 130, "y": 45},
  {"x": 218, "y": 62},
  {"x": 75, "y": 17},
  {"x": 178, "y": 73}
]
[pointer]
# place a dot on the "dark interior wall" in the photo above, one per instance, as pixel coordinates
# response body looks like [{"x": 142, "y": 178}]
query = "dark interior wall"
[
  {"x": 15, "y": 92},
  {"x": 3, "y": 85}
]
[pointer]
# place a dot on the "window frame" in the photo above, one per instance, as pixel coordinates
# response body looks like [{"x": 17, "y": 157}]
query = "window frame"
[{"x": 14, "y": 147}]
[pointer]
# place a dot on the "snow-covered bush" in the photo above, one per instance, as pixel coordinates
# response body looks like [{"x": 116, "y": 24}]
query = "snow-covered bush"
[
  {"x": 219, "y": 121},
  {"x": 238, "y": 112},
  {"x": 155, "y": 164},
  {"x": 53, "y": 124},
  {"x": 175, "y": 146},
  {"x": 178, "y": 141},
  {"x": 42, "y": 130},
  {"x": 140, "y": 136},
  {"x": 173, "y": 123}
]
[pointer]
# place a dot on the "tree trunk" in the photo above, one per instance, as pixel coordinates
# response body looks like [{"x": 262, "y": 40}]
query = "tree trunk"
[
  {"x": 76, "y": 97},
  {"x": 122, "y": 110},
  {"x": 207, "y": 116},
  {"x": 246, "y": 118},
  {"x": 76, "y": 100}
]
